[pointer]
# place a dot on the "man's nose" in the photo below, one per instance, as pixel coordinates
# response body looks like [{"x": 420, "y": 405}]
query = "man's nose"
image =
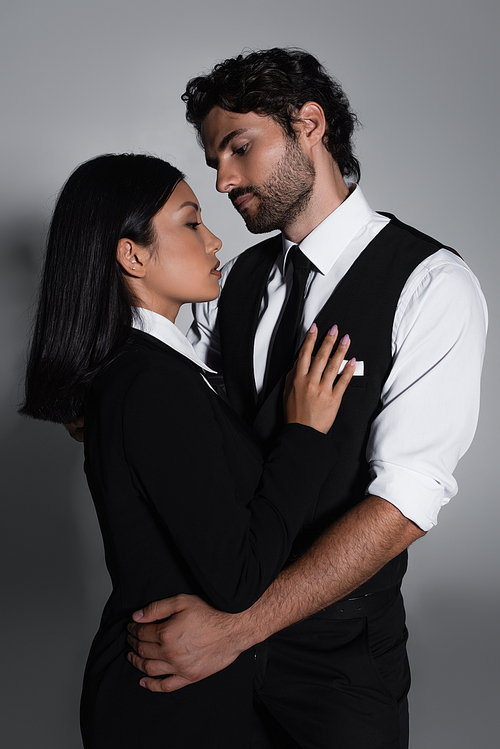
[{"x": 227, "y": 178}]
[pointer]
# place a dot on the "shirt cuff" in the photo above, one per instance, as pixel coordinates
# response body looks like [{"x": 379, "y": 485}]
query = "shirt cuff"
[{"x": 417, "y": 496}]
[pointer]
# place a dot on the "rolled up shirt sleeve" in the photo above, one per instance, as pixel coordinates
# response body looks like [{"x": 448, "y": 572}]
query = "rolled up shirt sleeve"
[{"x": 430, "y": 401}]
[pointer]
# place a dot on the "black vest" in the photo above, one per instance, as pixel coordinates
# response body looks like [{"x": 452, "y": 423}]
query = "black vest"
[{"x": 363, "y": 305}]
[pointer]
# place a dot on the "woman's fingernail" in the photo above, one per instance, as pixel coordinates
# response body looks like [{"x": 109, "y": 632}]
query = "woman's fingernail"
[
  {"x": 344, "y": 340},
  {"x": 313, "y": 328},
  {"x": 333, "y": 330},
  {"x": 352, "y": 363}
]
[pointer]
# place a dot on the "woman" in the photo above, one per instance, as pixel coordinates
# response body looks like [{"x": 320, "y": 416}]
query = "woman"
[{"x": 184, "y": 499}]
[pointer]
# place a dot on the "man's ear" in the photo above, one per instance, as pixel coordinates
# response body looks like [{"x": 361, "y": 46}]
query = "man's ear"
[
  {"x": 132, "y": 258},
  {"x": 311, "y": 123}
]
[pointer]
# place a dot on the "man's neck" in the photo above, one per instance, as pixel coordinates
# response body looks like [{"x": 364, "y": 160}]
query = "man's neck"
[{"x": 329, "y": 192}]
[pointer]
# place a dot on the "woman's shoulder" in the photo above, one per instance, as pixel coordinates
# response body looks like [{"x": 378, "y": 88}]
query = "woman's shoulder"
[{"x": 144, "y": 359}]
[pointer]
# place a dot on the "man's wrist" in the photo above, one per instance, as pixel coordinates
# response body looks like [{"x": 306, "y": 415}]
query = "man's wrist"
[
  {"x": 248, "y": 628},
  {"x": 268, "y": 615}
]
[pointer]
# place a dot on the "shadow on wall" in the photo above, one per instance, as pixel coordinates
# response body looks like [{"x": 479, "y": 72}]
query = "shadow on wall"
[
  {"x": 455, "y": 664},
  {"x": 43, "y": 589},
  {"x": 48, "y": 539},
  {"x": 21, "y": 240}
]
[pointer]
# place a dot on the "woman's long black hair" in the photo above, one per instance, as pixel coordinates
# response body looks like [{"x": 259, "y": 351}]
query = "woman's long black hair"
[{"x": 84, "y": 307}]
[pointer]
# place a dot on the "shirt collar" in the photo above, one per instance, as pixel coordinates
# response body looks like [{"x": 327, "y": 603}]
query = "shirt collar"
[
  {"x": 324, "y": 245},
  {"x": 165, "y": 330}
]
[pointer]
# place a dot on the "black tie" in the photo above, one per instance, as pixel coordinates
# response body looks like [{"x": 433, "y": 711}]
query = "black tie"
[{"x": 288, "y": 334}]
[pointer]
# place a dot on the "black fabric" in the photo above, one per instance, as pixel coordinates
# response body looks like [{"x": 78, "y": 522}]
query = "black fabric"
[
  {"x": 344, "y": 686},
  {"x": 186, "y": 505},
  {"x": 238, "y": 314},
  {"x": 353, "y": 608},
  {"x": 325, "y": 682},
  {"x": 285, "y": 341},
  {"x": 363, "y": 305}
]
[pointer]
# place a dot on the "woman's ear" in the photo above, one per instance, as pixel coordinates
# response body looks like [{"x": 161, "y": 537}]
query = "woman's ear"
[{"x": 132, "y": 258}]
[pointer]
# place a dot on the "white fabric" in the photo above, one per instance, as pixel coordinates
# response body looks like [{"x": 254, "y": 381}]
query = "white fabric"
[
  {"x": 430, "y": 401},
  {"x": 162, "y": 328}
]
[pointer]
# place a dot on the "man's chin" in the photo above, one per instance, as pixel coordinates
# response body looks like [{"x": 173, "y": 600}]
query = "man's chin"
[
  {"x": 255, "y": 226},
  {"x": 253, "y": 221}
]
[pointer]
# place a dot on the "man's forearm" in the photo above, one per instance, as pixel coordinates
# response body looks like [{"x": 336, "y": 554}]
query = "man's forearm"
[{"x": 344, "y": 557}]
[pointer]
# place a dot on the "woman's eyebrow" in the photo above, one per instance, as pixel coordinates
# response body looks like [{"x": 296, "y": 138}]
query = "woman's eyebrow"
[{"x": 189, "y": 203}]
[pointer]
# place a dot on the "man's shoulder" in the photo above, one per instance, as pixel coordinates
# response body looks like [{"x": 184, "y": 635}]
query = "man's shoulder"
[
  {"x": 440, "y": 257},
  {"x": 411, "y": 233}
]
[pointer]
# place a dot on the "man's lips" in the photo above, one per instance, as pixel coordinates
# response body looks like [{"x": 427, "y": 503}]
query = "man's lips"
[{"x": 242, "y": 202}]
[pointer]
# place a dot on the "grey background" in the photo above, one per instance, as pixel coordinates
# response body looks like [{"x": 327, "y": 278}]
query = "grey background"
[{"x": 82, "y": 78}]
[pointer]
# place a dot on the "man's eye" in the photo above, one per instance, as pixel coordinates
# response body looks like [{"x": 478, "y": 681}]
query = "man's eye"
[{"x": 242, "y": 148}]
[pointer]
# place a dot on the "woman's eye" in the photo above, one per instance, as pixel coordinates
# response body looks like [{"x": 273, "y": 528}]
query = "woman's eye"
[{"x": 194, "y": 224}]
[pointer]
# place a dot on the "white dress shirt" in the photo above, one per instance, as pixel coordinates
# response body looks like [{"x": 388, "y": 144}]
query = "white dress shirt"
[{"x": 430, "y": 401}]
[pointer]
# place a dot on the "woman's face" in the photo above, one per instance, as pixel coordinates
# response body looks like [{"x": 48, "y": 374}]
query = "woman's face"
[{"x": 183, "y": 266}]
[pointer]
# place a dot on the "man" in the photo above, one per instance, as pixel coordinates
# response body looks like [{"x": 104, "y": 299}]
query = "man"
[{"x": 278, "y": 130}]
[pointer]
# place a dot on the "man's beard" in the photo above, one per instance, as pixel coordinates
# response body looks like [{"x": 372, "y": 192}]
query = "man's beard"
[{"x": 284, "y": 196}]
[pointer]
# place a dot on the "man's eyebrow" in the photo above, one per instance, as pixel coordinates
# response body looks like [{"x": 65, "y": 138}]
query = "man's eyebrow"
[
  {"x": 224, "y": 143},
  {"x": 228, "y": 138},
  {"x": 189, "y": 203}
]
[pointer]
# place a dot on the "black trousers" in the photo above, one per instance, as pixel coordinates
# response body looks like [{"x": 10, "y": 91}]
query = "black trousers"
[{"x": 335, "y": 684}]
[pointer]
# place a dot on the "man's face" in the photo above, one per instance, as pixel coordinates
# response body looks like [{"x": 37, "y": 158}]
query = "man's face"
[{"x": 266, "y": 174}]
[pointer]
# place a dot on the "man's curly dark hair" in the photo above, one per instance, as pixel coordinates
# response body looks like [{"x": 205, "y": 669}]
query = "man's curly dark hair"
[{"x": 277, "y": 82}]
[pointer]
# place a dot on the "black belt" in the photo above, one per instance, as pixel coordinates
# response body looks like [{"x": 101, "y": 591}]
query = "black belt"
[{"x": 352, "y": 608}]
